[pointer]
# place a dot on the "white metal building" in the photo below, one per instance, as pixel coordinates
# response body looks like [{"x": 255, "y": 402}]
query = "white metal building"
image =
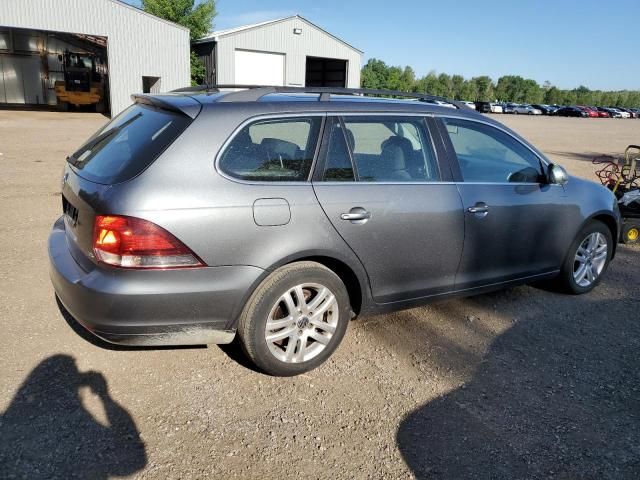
[
  {"x": 289, "y": 51},
  {"x": 143, "y": 52}
]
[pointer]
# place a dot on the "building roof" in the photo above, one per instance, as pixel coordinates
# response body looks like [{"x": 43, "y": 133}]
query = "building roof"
[
  {"x": 139, "y": 10},
  {"x": 215, "y": 35}
]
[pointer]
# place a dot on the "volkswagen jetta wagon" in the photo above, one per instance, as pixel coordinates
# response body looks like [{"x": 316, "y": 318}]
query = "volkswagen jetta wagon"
[{"x": 278, "y": 214}]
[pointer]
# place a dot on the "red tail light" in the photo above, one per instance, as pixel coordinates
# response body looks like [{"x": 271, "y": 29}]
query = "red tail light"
[{"x": 135, "y": 243}]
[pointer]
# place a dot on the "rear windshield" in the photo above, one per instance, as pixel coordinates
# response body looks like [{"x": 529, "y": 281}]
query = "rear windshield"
[{"x": 128, "y": 144}]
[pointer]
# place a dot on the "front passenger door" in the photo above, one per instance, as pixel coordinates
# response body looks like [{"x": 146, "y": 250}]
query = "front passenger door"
[{"x": 513, "y": 217}]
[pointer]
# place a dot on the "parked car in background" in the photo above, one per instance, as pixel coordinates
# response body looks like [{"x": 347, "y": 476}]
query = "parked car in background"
[
  {"x": 545, "y": 109},
  {"x": 612, "y": 113},
  {"x": 496, "y": 108},
  {"x": 630, "y": 111},
  {"x": 571, "y": 112},
  {"x": 636, "y": 111},
  {"x": 620, "y": 113},
  {"x": 602, "y": 113},
  {"x": 589, "y": 111},
  {"x": 526, "y": 110},
  {"x": 509, "y": 107},
  {"x": 298, "y": 212},
  {"x": 483, "y": 107},
  {"x": 471, "y": 105}
]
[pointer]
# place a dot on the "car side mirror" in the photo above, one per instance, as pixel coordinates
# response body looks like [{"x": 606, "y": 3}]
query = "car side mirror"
[{"x": 557, "y": 175}]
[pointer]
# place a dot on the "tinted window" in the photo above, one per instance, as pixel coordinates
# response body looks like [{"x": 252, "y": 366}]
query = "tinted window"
[
  {"x": 486, "y": 154},
  {"x": 128, "y": 144},
  {"x": 390, "y": 149},
  {"x": 273, "y": 150},
  {"x": 338, "y": 166}
]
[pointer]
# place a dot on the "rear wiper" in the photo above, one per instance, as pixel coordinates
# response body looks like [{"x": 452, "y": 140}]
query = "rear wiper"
[{"x": 73, "y": 160}]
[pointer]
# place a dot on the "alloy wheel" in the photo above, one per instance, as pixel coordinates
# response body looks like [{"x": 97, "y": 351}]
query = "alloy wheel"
[
  {"x": 590, "y": 259},
  {"x": 302, "y": 323}
]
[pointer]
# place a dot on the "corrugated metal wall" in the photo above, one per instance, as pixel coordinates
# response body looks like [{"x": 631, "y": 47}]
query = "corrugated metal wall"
[
  {"x": 279, "y": 38},
  {"x": 138, "y": 44}
]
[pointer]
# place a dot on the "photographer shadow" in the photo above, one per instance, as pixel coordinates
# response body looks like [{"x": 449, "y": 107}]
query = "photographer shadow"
[{"x": 47, "y": 431}]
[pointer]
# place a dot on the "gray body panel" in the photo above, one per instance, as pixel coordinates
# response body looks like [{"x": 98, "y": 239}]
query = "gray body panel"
[
  {"x": 420, "y": 243},
  {"x": 401, "y": 246},
  {"x": 518, "y": 236}
]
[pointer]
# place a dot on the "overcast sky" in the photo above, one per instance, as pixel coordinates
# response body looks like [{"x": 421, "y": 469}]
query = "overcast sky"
[{"x": 568, "y": 42}]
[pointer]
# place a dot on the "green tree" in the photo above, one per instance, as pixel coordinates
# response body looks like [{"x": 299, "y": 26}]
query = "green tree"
[
  {"x": 407, "y": 80},
  {"x": 510, "y": 88},
  {"x": 457, "y": 84},
  {"x": 445, "y": 86},
  {"x": 375, "y": 74},
  {"x": 483, "y": 88},
  {"x": 552, "y": 96},
  {"x": 583, "y": 95},
  {"x": 197, "y": 18},
  {"x": 531, "y": 91}
]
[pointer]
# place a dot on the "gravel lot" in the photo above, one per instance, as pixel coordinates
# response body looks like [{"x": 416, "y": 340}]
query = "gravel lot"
[{"x": 522, "y": 383}]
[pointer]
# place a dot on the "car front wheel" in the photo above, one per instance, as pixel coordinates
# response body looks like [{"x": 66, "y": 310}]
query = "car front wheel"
[
  {"x": 587, "y": 260},
  {"x": 295, "y": 319}
]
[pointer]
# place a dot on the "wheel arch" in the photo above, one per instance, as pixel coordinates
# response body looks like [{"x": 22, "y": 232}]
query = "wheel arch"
[
  {"x": 352, "y": 275},
  {"x": 612, "y": 224}
]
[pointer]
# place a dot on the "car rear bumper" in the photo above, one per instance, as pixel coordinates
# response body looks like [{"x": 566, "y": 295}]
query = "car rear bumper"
[{"x": 150, "y": 307}]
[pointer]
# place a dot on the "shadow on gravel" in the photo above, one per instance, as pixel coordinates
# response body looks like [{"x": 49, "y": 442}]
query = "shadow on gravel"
[
  {"x": 48, "y": 433},
  {"x": 556, "y": 396}
]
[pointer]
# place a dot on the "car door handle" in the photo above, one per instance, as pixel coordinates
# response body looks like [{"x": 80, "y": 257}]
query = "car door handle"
[
  {"x": 357, "y": 214},
  {"x": 479, "y": 208}
]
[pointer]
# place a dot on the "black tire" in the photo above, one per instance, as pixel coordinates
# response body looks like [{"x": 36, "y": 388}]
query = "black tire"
[
  {"x": 630, "y": 233},
  {"x": 253, "y": 321},
  {"x": 63, "y": 106},
  {"x": 565, "y": 281}
]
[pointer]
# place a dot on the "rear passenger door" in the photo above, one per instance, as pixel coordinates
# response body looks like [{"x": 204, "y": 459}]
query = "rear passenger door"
[{"x": 379, "y": 182}]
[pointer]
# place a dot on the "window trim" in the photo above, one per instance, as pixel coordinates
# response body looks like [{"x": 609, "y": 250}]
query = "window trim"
[
  {"x": 431, "y": 142},
  {"x": 318, "y": 173},
  {"x": 454, "y": 157},
  {"x": 257, "y": 118}
]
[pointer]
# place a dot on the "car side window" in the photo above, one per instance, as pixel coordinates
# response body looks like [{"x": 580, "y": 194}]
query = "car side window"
[
  {"x": 338, "y": 166},
  {"x": 273, "y": 150},
  {"x": 487, "y": 154},
  {"x": 390, "y": 149}
]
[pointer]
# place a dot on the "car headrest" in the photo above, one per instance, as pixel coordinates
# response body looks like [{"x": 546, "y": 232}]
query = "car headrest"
[
  {"x": 280, "y": 147},
  {"x": 393, "y": 157}
]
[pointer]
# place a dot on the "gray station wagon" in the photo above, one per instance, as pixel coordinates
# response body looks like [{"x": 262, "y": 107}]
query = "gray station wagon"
[{"x": 279, "y": 214}]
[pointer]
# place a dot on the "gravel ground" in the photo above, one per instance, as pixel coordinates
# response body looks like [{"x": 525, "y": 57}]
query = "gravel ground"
[{"x": 522, "y": 383}]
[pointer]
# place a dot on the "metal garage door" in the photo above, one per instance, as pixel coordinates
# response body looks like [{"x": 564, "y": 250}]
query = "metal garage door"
[{"x": 259, "y": 68}]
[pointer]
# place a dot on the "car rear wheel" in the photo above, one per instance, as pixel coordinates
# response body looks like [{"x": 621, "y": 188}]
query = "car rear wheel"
[
  {"x": 295, "y": 319},
  {"x": 587, "y": 260}
]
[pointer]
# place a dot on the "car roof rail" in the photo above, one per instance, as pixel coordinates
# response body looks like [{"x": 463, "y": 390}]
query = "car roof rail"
[{"x": 253, "y": 93}]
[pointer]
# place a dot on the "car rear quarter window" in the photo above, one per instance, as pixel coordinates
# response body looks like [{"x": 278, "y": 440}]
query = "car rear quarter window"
[
  {"x": 273, "y": 150},
  {"x": 487, "y": 154},
  {"x": 128, "y": 144}
]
